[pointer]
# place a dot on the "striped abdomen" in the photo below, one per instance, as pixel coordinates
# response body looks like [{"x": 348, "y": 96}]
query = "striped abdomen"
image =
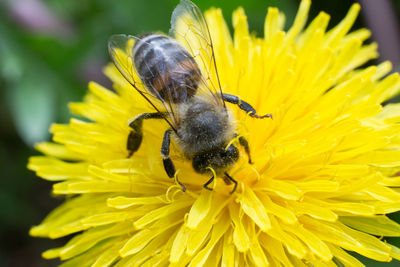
[{"x": 166, "y": 68}]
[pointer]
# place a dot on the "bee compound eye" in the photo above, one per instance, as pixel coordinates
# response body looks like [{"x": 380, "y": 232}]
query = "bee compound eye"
[
  {"x": 232, "y": 153},
  {"x": 200, "y": 163}
]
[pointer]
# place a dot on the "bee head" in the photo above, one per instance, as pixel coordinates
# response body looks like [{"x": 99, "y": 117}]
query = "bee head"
[{"x": 219, "y": 159}]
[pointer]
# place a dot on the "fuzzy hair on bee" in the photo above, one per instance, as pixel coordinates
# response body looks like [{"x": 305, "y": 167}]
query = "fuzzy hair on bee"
[{"x": 203, "y": 127}]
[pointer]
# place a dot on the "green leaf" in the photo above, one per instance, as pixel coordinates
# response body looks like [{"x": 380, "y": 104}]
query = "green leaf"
[{"x": 32, "y": 103}]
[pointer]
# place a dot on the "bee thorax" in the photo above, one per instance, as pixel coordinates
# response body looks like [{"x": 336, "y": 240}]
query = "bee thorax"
[{"x": 203, "y": 127}]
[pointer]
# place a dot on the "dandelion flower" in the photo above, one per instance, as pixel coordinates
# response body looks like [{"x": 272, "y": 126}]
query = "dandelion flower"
[{"x": 325, "y": 172}]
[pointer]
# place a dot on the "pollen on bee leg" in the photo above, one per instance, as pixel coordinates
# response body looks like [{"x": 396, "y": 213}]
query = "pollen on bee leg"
[{"x": 227, "y": 181}]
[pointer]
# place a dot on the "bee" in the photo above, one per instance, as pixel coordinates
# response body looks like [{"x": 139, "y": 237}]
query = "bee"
[{"x": 182, "y": 85}]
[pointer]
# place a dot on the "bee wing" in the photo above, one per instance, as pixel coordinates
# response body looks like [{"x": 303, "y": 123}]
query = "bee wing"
[
  {"x": 120, "y": 48},
  {"x": 190, "y": 28}
]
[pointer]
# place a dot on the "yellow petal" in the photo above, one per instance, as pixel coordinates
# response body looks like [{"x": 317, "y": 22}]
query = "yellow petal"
[
  {"x": 315, "y": 244},
  {"x": 254, "y": 208},
  {"x": 217, "y": 232},
  {"x": 200, "y": 209},
  {"x": 179, "y": 245},
  {"x": 228, "y": 253},
  {"x": 240, "y": 237},
  {"x": 156, "y": 214},
  {"x": 376, "y": 225},
  {"x": 121, "y": 202}
]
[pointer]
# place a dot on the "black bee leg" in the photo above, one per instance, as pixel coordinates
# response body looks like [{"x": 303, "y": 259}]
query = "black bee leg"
[
  {"x": 244, "y": 106},
  {"x": 233, "y": 180},
  {"x": 136, "y": 134},
  {"x": 209, "y": 182},
  {"x": 243, "y": 142},
  {"x": 168, "y": 164}
]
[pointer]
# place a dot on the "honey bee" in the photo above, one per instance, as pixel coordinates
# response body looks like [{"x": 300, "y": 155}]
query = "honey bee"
[{"x": 179, "y": 82}]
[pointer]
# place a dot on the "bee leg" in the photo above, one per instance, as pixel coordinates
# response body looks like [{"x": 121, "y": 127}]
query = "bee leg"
[
  {"x": 168, "y": 164},
  {"x": 244, "y": 106},
  {"x": 136, "y": 135},
  {"x": 233, "y": 180},
  {"x": 209, "y": 182},
  {"x": 243, "y": 142}
]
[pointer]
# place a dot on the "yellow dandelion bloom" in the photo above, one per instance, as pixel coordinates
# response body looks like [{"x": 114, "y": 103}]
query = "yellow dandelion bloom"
[{"x": 325, "y": 172}]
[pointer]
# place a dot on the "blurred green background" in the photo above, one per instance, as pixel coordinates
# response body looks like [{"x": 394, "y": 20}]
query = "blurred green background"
[{"x": 51, "y": 49}]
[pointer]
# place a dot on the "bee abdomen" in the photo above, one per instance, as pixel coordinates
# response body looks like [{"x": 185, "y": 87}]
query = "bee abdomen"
[{"x": 167, "y": 70}]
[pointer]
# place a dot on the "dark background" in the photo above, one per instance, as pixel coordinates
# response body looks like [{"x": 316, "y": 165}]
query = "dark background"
[{"x": 51, "y": 49}]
